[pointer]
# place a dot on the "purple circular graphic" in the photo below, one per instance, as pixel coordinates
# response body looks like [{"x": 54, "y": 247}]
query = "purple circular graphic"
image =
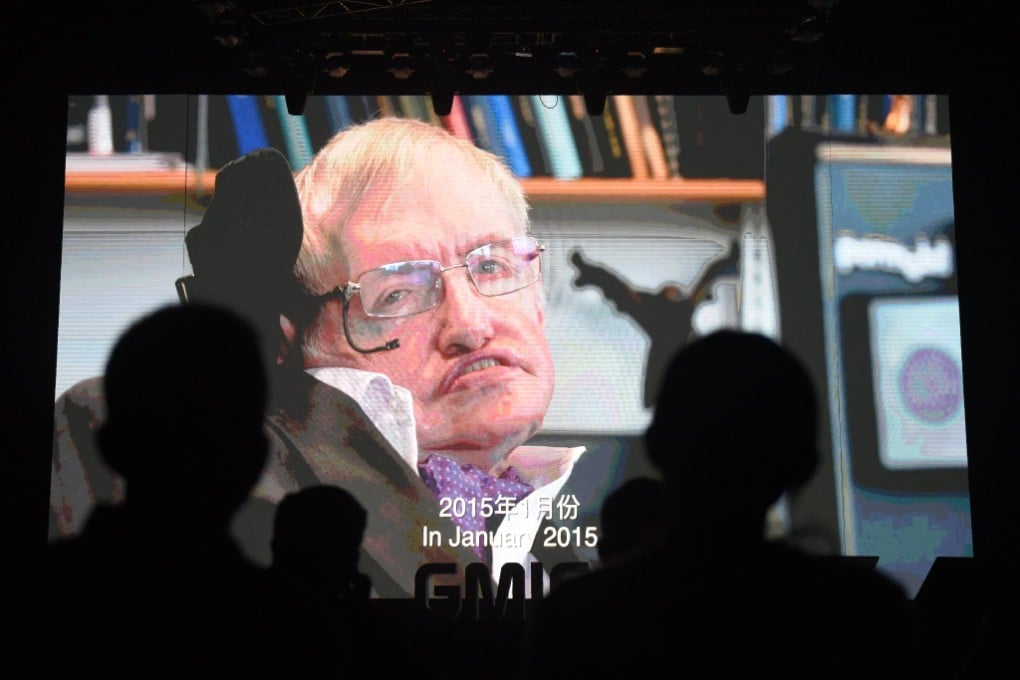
[{"x": 931, "y": 384}]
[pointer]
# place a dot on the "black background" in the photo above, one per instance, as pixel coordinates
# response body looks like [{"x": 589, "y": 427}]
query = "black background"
[{"x": 52, "y": 51}]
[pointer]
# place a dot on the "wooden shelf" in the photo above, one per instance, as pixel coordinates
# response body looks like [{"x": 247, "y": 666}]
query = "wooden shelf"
[
  {"x": 539, "y": 190},
  {"x": 623, "y": 190},
  {"x": 149, "y": 182}
]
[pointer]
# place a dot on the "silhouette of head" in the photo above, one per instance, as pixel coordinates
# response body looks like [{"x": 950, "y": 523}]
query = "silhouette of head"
[
  {"x": 317, "y": 534},
  {"x": 185, "y": 392},
  {"x": 243, "y": 251},
  {"x": 630, "y": 516},
  {"x": 735, "y": 424}
]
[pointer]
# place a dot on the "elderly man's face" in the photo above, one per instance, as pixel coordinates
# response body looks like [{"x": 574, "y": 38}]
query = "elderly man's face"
[{"x": 478, "y": 367}]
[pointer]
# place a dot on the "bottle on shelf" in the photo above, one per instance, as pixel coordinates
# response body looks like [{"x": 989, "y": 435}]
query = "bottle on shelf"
[{"x": 100, "y": 127}]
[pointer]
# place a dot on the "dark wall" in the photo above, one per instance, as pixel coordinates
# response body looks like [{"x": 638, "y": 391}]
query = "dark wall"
[{"x": 984, "y": 147}]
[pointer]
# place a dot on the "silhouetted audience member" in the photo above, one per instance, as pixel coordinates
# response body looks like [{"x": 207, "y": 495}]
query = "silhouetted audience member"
[
  {"x": 154, "y": 587},
  {"x": 734, "y": 428},
  {"x": 329, "y": 625},
  {"x": 317, "y": 534},
  {"x": 634, "y": 519}
]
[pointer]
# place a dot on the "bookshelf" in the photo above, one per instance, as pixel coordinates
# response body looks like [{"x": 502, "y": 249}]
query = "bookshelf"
[
  {"x": 629, "y": 155},
  {"x": 592, "y": 189},
  {"x": 538, "y": 189},
  {"x": 656, "y": 148}
]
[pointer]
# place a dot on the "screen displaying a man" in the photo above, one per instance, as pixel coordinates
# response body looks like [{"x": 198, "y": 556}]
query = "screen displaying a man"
[
  {"x": 431, "y": 316},
  {"x": 413, "y": 366}
]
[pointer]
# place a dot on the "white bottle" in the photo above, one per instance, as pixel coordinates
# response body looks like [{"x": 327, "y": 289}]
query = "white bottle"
[{"x": 100, "y": 127}]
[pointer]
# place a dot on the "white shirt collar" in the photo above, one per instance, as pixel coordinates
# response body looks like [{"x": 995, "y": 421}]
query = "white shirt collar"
[{"x": 390, "y": 407}]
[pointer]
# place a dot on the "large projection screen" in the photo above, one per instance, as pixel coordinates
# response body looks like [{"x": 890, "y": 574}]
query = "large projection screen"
[{"x": 667, "y": 198}]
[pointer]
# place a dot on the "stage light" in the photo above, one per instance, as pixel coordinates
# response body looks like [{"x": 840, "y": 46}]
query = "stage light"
[
  {"x": 479, "y": 66},
  {"x": 736, "y": 85},
  {"x": 595, "y": 101},
  {"x": 336, "y": 65},
  {"x": 442, "y": 101},
  {"x": 296, "y": 100},
  {"x": 254, "y": 65},
  {"x": 634, "y": 64},
  {"x": 566, "y": 64},
  {"x": 737, "y": 101},
  {"x": 401, "y": 66}
]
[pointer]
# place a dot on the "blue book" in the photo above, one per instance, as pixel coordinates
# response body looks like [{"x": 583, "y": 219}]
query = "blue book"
[
  {"x": 487, "y": 127},
  {"x": 475, "y": 108},
  {"x": 505, "y": 124},
  {"x": 295, "y": 136},
  {"x": 554, "y": 131},
  {"x": 843, "y": 113},
  {"x": 248, "y": 129},
  {"x": 134, "y": 124},
  {"x": 339, "y": 111},
  {"x": 778, "y": 112}
]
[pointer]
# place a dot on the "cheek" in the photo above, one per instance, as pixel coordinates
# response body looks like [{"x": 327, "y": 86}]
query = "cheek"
[
  {"x": 531, "y": 322},
  {"x": 547, "y": 372},
  {"x": 530, "y": 328},
  {"x": 408, "y": 365},
  {"x": 325, "y": 344}
]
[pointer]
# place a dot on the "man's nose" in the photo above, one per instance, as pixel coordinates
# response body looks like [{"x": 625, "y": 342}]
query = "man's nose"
[{"x": 466, "y": 316}]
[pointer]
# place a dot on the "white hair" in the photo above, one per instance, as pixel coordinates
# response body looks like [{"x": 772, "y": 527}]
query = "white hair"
[{"x": 384, "y": 152}]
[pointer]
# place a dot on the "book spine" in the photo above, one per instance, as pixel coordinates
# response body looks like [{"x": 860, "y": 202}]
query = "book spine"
[
  {"x": 931, "y": 114},
  {"x": 777, "y": 114},
  {"x": 457, "y": 123},
  {"x": 412, "y": 107},
  {"x": 510, "y": 135},
  {"x": 428, "y": 112},
  {"x": 248, "y": 129},
  {"x": 630, "y": 131},
  {"x": 808, "y": 112},
  {"x": 529, "y": 135},
  {"x": 584, "y": 134},
  {"x": 554, "y": 130},
  {"x": 843, "y": 113},
  {"x": 616, "y": 153},
  {"x": 650, "y": 140},
  {"x": 338, "y": 109},
  {"x": 385, "y": 106},
  {"x": 134, "y": 133},
  {"x": 369, "y": 107},
  {"x": 295, "y": 136},
  {"x": 669, "y": 129},
  {"x": 480, "y": 123}
]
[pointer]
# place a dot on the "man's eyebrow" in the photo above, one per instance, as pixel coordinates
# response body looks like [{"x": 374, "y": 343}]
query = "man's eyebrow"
[
  {"x": 400, "y": 250},
  {"x": 488, "y": 240},
  {"x": 404, "y": 252}
]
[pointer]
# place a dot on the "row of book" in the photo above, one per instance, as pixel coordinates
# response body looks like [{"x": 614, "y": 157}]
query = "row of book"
[
  {"x": 636, "y": 136},
  {"x": 889, "y": 115},
  {"x": 537, "y": 135}
]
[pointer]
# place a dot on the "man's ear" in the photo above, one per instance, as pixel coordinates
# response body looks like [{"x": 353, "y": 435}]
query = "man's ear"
[{"x": 287, "y": 349}]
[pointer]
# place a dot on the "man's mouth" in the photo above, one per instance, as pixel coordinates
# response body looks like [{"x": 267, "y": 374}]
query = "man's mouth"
[
  {"x": 479, "y": 365},
  {"x": 470, "y": 366}
]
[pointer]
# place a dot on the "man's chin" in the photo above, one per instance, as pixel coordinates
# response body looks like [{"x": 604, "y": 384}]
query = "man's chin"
[{"x": 483, "y": 445}]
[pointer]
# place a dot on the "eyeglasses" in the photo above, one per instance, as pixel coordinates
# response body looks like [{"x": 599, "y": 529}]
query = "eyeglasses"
[{"x": 407, "y": 288}]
